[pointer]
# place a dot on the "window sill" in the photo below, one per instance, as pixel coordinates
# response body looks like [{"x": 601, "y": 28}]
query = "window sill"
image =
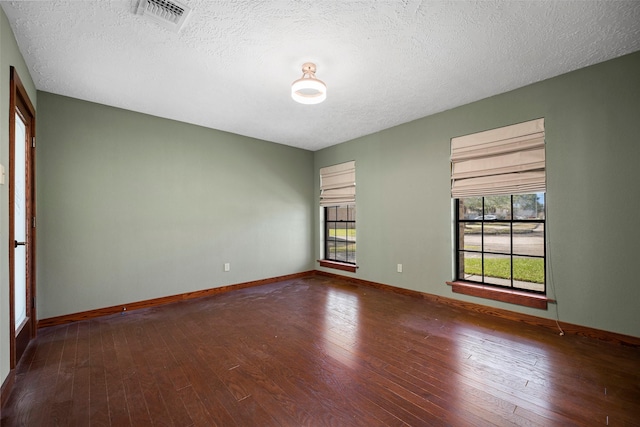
[
  {"x": 338, "y": 265},
  {"x": 505, "y": 295}
]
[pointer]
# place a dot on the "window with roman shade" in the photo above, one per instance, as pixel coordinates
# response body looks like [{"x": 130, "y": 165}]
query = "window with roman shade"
[
  {"x": 338, "y": 202},
  {"x": 498, "y": 183},
  {"x": 507, "y": 160},
  {"x": 338, "y": 184}
]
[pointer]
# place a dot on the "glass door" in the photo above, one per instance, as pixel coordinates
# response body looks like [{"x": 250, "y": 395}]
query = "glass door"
[
  {"x": 20, "y": 224},
  {"x": 22, "y": 128}
]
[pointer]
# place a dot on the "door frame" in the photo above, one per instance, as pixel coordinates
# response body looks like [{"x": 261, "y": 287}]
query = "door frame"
[{"x": 19, "y": 100}]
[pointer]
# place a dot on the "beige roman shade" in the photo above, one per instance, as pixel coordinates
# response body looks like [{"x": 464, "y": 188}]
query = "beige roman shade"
[
  {"x": 338, "y": 184},
  {"x": 508, "y": 160}
]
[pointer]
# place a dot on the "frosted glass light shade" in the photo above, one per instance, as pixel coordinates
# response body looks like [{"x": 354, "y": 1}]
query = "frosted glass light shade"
[{"x": 308, "y": 91}]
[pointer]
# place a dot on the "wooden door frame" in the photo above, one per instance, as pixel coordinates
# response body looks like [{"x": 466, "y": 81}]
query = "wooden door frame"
[{"x": 19, "y": 99}]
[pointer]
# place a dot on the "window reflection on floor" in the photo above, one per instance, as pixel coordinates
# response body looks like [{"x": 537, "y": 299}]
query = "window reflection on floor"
[
  {"x": 498, "y": 362},
  {"x": 341, "y": 321}
]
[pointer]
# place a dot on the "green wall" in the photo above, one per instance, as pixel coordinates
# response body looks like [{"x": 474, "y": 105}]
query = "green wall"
[
  {"x": 133, "y": 207},
  {"x": 9, "y": 56},
  {"x": 592, "y": 119}
]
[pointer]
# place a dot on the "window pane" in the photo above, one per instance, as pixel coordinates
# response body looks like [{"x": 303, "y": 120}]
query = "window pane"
[
  {"x": 352, "y": 213},
  {"x": 470, "y": 266},
  {"x": 343, "y": 213},
  {"x": 528, "y": 238},
  {"x": 351, "y": 238},
  {"x": 528, "y": 273},
  {"x": 351, "y": 253},
  {"x": 528, "y": 206},
  {"x": 331, "y": 231},
  {"x": 470, "y": 235},
  {"x": 331, "y": 250},
  {"x": 470, "y": 208},
  {"x": 497, "y": 269},
  {"x": 497, "y": 207},
  {"x": 330, "y": 213},
  {"x": 497, "y": 237},
  {"x": 351, "y": 231},
  {"x": 341, "y": 250}
]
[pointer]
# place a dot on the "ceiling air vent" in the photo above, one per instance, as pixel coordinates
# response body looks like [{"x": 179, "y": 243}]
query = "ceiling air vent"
[{"x": 169, "y": 14}]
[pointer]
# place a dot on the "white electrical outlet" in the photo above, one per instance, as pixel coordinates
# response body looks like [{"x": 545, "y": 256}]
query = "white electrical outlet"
[
  {"x": 227, "y": 266},
  {"x": 399, "y": 268}
]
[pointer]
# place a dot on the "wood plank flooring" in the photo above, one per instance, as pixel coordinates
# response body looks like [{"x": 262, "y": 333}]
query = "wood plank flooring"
[{"x": 319, "y": 351}]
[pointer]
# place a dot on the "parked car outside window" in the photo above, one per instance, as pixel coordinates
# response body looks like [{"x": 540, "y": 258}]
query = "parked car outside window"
[{"x": 485, "y": 217}]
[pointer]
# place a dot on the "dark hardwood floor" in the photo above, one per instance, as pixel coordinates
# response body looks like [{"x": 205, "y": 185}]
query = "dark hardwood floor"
[{"x": 318, "y": 351}]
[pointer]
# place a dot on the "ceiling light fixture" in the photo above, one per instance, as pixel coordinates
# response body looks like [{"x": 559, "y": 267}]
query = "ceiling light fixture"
[{"x": 308, "y": 89}]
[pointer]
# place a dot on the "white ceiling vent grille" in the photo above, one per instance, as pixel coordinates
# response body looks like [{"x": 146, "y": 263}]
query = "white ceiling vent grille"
[{"x": 168, "y": 13}]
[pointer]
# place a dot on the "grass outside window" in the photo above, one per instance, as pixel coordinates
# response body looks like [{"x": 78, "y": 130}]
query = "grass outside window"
[
  {"x": 526, "y": 270},
  {"x": 500, "y": 241}
]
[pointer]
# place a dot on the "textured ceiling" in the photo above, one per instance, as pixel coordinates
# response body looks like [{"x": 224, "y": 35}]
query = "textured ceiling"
[{"x": 384, "y": 62}]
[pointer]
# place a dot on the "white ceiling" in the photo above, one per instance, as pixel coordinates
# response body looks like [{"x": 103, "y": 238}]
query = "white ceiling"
[{"x": 384, "y": 62}]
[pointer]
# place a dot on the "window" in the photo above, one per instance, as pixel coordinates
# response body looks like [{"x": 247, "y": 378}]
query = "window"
[
  {"x": 501, "y": 241},
  {"x": 340, "y": 234},
  {"x": 498, "y": 182},
  {"x": 338, "y": 200}
]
